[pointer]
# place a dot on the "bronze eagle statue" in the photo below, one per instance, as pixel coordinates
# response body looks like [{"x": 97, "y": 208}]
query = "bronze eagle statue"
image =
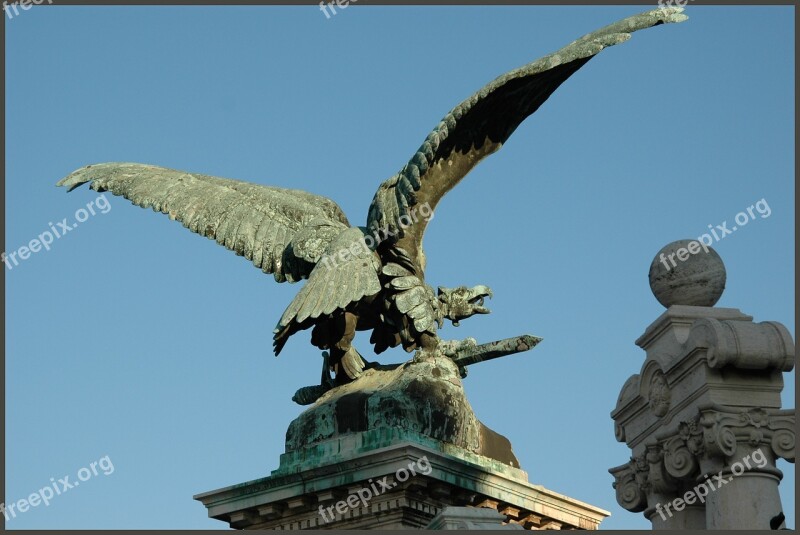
[{"x": 370, "y": 277}]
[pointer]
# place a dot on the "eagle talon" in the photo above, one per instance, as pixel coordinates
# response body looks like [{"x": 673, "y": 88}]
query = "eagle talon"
[
  {"x": 309, "y": 394},
  {"x": 451, "y": 348}
]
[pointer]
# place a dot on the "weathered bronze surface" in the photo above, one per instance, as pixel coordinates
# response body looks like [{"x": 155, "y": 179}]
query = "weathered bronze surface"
[{"x": 371, "y": 277}]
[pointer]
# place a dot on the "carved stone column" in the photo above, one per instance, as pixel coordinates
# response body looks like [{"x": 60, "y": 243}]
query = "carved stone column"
[
  {"x": 747, "y": 484},
  {"x": 703, "y": 416}
]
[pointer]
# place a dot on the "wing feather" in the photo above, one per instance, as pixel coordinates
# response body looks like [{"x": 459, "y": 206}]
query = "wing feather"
[
  {"x": 335, "y": 294},
  {"x": 481, "y": 124},
  {"x": 254, "y": 221},
  {"x": 315, "y": 301},
  {"x": 337, "y": 281}
]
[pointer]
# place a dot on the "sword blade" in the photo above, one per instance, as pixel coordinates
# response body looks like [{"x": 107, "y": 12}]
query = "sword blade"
[{"x": 493, "y": 350}]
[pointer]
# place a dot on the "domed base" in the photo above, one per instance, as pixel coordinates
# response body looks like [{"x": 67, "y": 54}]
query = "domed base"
[{"x": 422, "y": 401}]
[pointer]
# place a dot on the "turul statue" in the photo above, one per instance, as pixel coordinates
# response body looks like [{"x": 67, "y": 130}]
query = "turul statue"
[{"x": 369, "y": 277}]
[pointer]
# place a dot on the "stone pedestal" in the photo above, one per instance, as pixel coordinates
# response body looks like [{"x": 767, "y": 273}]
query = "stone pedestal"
[
  {"x": 404, "y": 486},
  {"x": 399, "y": 448},
  {"x": 704, "y": 422}
]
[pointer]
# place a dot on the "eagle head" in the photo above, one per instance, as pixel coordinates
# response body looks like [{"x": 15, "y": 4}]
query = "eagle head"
[{"x": 463, "y": 302}]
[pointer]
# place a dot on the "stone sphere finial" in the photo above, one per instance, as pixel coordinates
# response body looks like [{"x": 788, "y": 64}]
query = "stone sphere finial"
[{"x": 687, "y": 272}]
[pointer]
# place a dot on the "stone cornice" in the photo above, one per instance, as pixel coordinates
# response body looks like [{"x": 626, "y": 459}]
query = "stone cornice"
[
  {"x": 699, "y": 356},
  {"x": 452, "y": 481},
  {"x": 677, "y": 321}
]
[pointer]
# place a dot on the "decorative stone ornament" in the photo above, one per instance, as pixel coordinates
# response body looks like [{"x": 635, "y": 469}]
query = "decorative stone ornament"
[
  {"x": 703, "y": 417},
  {"x": 659, "y": 395},
  {"x": 687, "y": 272}
]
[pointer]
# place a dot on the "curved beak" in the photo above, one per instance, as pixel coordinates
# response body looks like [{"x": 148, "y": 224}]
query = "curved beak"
[{"x": 478, "y": 293}]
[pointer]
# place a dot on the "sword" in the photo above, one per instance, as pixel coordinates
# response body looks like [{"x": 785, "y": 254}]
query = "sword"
[{"x": 481, "y": 353}]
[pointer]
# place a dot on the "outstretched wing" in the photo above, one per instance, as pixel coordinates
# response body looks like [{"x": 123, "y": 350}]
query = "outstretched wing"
[
  {"x": 346, "y": 273},
  {"x": 254, "y": 221},
  {"x": 480, "y": 125}
]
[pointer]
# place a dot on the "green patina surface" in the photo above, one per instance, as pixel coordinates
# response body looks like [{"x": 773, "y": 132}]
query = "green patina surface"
[{"x": 421, "y": 401}]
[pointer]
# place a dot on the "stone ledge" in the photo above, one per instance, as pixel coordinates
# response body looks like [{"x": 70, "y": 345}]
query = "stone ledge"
[{"x": 266, "y": 503}]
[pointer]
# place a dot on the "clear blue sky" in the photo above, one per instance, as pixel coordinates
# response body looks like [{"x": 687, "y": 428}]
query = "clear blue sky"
[{"x": 135, "y": 339}]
